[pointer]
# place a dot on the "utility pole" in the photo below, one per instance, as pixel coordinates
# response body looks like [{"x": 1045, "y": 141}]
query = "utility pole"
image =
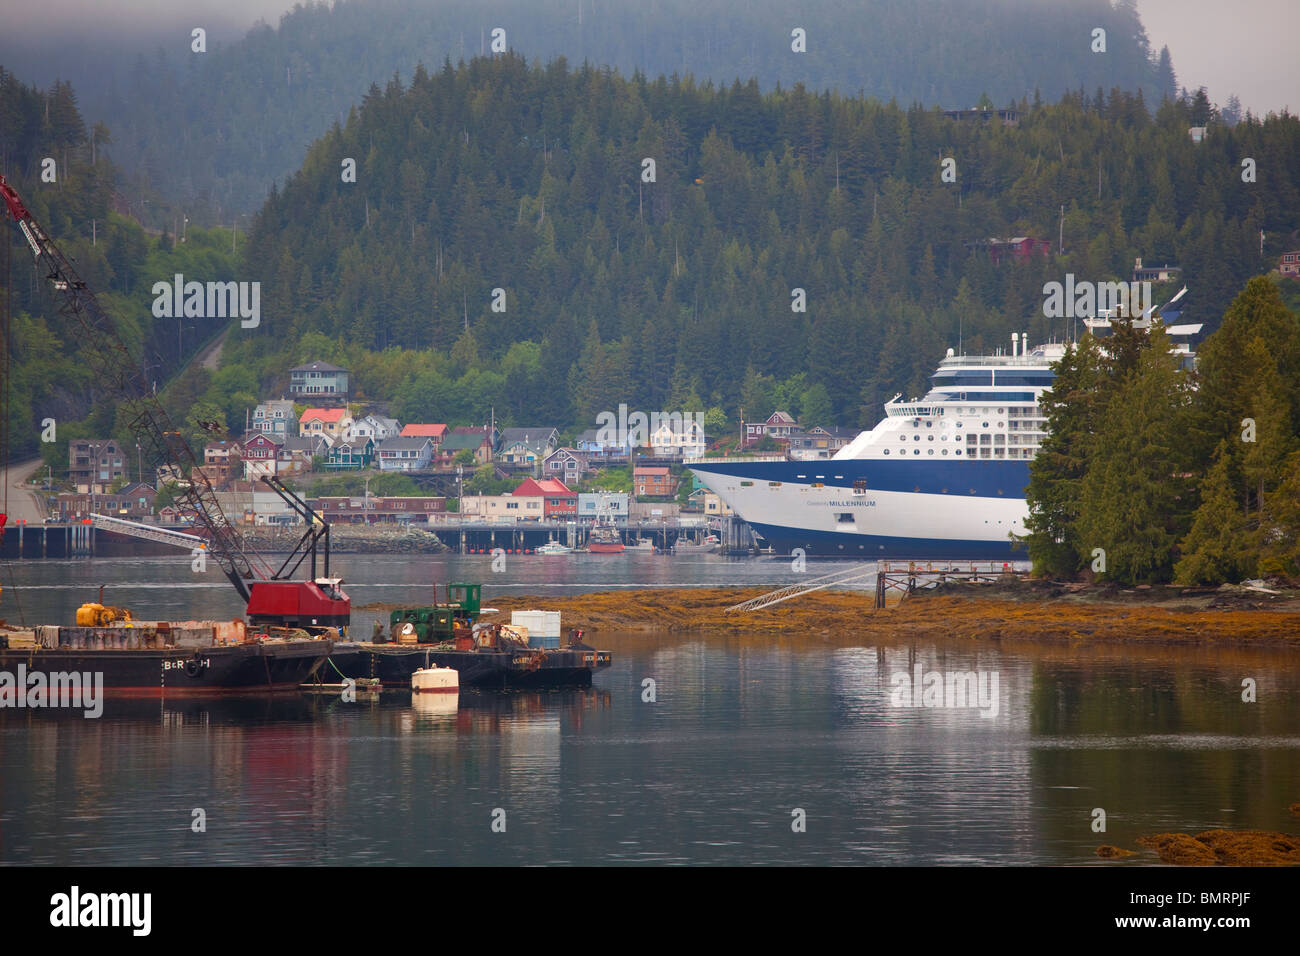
[{"x": 1060, "y": 248}]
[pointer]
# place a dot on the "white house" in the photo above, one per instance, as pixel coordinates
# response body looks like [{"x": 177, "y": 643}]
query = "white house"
[
  {"x": 684, "y": 439},
  {"x": 378, "y": 427},
  {"x": 404, "y": 454}
]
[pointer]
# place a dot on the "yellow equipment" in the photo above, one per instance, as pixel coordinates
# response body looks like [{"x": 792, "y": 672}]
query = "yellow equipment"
[{"x": 99, "y": 615}]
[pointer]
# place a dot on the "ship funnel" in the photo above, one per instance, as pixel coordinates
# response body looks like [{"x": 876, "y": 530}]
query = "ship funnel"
[{"x": 1014, "y": 338}]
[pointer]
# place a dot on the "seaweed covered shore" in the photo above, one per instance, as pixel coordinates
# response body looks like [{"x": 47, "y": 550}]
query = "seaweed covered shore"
[{"x": 1019, "y": 610}]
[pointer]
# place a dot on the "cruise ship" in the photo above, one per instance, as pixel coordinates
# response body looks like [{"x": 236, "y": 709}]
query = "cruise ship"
[{"x": 942, "y": 477}]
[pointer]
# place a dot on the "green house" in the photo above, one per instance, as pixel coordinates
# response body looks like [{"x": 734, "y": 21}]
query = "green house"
[{"x": 350, "y": 456}]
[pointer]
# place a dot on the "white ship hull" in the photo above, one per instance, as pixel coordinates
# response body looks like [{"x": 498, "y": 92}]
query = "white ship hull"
[{"x": 957, "y": 510}]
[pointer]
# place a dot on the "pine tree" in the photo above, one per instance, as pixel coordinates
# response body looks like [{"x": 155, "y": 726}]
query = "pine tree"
[
  {"x": 1220, "y": 545},
  {"x": 1072, "y": 408},
  {"x": 1132, "y": 501},
  {"x": 1280, "y": 529}
]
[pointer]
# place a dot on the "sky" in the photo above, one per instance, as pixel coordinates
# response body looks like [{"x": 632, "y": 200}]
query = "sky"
[{"x": 1245, "y": 47}]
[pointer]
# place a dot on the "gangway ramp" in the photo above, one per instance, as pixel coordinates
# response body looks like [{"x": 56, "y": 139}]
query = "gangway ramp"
[
  {"x": 149, "y": 532},
  {"x": 845, "y": 576}
]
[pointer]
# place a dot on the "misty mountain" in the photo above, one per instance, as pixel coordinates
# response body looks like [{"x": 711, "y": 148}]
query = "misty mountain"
[{"x": 213, "y": 130}]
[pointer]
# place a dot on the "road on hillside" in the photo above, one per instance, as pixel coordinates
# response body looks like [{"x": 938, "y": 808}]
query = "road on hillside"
[{"x": 23, "y": 504}]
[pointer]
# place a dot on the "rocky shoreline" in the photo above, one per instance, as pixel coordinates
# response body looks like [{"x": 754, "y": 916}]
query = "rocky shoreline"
[
  {"x": 352, "y": 539},
  {"x": 1028, "y": 611}
]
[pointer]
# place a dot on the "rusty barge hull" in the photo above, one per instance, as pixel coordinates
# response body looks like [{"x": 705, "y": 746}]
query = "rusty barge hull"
[
  {"x": 164, "y": 661},
  {"x": 394, "y": 664}
]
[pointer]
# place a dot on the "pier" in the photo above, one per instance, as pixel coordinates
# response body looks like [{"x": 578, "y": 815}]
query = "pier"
[
  {"x": 22, "y": 540},
  {"x": 908, "y": 576},
  {"x": 102, "y": 538}
]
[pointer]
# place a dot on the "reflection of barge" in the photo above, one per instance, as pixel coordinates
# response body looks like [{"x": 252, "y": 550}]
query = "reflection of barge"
[{"x": 162, "y": 659}]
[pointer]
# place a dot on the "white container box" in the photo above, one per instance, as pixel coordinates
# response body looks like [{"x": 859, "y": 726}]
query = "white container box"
[{"x": 543, "y": 626}]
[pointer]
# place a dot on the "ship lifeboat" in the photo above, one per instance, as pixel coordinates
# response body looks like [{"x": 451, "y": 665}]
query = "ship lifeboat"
[{"x": 435, "y": 680}]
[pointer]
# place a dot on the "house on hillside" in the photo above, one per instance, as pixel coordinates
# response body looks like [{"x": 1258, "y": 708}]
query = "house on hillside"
[
  {"x": 404, "y": 454},
  {"x": 350, "y": 455},
  {"x": 778, "y": 425},
  {"x": 1289, "y": 264},
  {"x": 526, "y": 447},
  {"x": 684, "y": 439},
  {"x": 377, "y": 427},
  {"x": 818, "y": 442},
  {"x": 653, "y": 482},
  {"x": 319, "y": 381},
  {"x": 324, "y": 421},
  {"x": 222, "y": 460},
  {"x": 567, "y": 464},
  {"x": 1165, "y": 273},
  {"x": 474, "y": 440},
  {"x": 275, "y": 417},
  {"x": 262, "y": 456},
  {"x": 93, "y": 464},
  {"x": 600, "y": 449},
  {"x": 299, "y": 455},
  {"x": 434, "y": 432},
  {"x": 1017, "y": 249}
]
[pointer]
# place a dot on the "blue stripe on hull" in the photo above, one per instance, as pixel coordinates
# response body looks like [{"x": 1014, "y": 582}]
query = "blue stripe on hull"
[
  {"x": 985, "y": 479},
  {"x": 839, "y": 544}
]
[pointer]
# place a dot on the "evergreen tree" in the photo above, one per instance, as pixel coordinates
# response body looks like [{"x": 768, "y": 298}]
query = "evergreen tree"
[
  {"x": 1133, "y": 501},
  {"x": 1220, "y": 545},
  {"x": 1280, "y": 529},
  {"x": 1073, "y": 409}
]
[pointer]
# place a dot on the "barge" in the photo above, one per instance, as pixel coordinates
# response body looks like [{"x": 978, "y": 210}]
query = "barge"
[
  {"x": 450, "y": 634},
  {"x": 161, "y": 659},
  {"x": 394, "y": 664}
]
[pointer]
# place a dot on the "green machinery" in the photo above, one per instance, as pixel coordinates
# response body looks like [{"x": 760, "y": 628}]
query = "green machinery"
[{"x": 437, "y": 623}]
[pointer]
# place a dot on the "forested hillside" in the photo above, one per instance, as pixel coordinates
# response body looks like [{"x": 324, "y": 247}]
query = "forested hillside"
[
  {"x": 214, "y": 129},
  {"x": 120, "y": 261},
  {"x": 678, "y": 293}
]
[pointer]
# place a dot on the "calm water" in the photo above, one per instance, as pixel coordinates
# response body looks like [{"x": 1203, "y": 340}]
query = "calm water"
[{"x": 742, "y": 732}]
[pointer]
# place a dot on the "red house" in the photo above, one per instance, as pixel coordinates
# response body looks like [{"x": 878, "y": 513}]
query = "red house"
[
  {"x": 560, "y": 502},
  {"x": 416, "y": 430},
  {"x": 1019, "y": 249}
]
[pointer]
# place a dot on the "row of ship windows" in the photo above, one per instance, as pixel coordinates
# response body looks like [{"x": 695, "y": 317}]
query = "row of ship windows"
[
  {"x": 985, "y": 449},
  {"x": 1027, "y": 424}
]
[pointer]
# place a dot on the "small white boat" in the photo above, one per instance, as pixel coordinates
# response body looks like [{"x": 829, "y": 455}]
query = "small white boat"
[
  {"x": 435, "y": 680},
  {"x": 554, "y": 547},
  {"x": 642, "y": 544}
]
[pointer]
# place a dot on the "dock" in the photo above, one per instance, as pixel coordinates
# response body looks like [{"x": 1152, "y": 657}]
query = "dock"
[{"x": 909, "y": 576}]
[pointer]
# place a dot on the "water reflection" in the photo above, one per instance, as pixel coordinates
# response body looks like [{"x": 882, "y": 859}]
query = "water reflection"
[{"x": 740, "y": 732}]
